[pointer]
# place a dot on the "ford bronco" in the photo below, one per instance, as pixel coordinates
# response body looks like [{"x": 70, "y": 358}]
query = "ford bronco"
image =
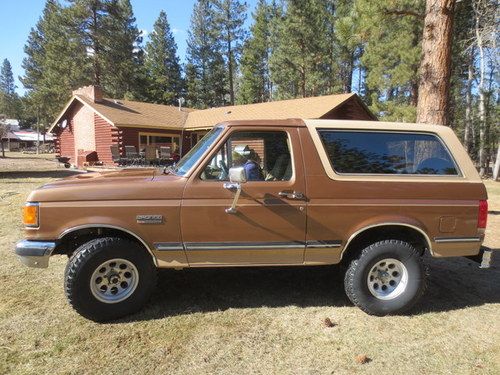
[{"x": 373, "y": 196}]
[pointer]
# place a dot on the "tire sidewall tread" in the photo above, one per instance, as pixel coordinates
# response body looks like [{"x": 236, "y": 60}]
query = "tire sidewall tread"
[
  {"x": 356, "y": 286},
  {"x": 87, "y": 258}
]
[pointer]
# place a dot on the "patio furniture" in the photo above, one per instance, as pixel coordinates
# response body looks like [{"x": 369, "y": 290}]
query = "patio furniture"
[
  {"x": 150, "y": 155},
  {"x": 63, "y": 160},
  {"x": 166, "y": 155},
  {"x": 132, "y": 155},
  {"x": 116, "y": 156}
]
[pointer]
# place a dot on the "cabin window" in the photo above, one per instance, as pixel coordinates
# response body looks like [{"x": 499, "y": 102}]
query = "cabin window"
[
  {"x": 367, "y": 152},
  {"x": 158, "y": 140}
]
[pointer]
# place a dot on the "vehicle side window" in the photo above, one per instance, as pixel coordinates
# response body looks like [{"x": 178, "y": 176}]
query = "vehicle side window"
[
  {"x": 366, "y": 152},
  {"x": 265, "y": 155}
]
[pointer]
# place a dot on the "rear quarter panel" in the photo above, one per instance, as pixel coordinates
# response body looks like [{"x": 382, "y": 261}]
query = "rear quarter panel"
[{"x": 340, "y": 206}]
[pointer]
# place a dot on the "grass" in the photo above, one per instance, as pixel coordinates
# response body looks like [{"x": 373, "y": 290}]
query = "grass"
[{"x": 268, "y": 321}]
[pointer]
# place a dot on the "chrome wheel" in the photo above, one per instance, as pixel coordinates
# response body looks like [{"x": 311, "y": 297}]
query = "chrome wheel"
[
  {"x": 387, "y": 279},
  {"x": 114, "y": 281}
]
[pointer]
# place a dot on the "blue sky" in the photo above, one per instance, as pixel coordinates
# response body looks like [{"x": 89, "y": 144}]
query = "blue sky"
[{"x": 19, "y": 16}]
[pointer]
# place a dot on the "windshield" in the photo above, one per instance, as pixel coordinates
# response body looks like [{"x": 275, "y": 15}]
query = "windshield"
[{"x": 197, "y": 151}]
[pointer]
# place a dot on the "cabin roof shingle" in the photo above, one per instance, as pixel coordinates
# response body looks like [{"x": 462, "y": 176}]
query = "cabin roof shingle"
[
  {"x": 313, "y": 107},
  {"x": 128, "y": 113}
]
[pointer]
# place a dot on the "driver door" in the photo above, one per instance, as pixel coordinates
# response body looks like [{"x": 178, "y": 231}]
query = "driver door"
[{"x": 269, "y": 225}]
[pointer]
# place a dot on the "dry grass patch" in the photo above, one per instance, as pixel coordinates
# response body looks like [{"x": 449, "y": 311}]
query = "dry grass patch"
[{"x": 245, "y": 320}]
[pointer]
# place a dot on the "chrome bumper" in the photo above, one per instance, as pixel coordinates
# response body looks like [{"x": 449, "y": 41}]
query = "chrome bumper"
[
  {"x": 484, "y": 258},
  {"x": 35, "y": 253}
]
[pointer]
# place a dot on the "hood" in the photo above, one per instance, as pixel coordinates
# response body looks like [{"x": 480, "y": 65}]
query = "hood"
[{"x": 126, "y": 184}]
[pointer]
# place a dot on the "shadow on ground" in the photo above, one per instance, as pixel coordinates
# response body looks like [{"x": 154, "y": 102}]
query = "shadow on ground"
[
  {"x": 38, "y": 174},
  {"x": 453, "y": 284}
]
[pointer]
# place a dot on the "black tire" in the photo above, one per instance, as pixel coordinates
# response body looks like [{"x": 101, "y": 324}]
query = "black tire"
[
  {"x": 358, "y": 272},
  {"x": 87, "y": 258}
]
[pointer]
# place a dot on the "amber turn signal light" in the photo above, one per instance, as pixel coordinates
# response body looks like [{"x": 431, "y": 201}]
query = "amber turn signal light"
[{"x": 30, "y": 214}]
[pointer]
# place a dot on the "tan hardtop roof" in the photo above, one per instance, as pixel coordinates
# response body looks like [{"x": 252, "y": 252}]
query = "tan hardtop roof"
[
  {"x": 375, "y": 125},
  {"x": 339, "y": 124},
  {"x": 445, "y": 133},
  {"x": 291, "y": 122}
]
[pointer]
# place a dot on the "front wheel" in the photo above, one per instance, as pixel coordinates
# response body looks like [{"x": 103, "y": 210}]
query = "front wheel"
[
  {"x": 388, "y": 277},
  {"x": 108, "y": 278}
]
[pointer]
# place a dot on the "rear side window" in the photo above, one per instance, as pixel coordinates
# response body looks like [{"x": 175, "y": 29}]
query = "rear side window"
[{"x": 365, "y": 152}]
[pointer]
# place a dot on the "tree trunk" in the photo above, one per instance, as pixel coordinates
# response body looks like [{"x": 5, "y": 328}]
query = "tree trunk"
[
  {"x": 434, "y": 82},
  {"x": 230, "y": 68},
  {"x": 496, "y": 169},
  {"x": 97, "y": 48},
  {"x": 468, "y": 103},
  {"x": 482, "y": 94}
]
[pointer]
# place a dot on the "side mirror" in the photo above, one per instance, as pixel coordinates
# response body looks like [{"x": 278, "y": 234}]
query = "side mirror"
[{"x": 237, "y": 176}]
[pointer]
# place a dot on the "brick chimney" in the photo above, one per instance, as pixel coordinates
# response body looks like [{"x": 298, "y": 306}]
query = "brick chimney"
[{"x": 93, "y": 93}]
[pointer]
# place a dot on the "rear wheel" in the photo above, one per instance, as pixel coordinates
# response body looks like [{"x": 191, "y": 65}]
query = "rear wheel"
[
  {"x": 108, "y": 278},
  {"x": 388, "y": 277}
]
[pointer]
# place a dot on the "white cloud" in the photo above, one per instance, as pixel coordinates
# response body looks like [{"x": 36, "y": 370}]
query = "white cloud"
[{"x": 177, "y": 31}]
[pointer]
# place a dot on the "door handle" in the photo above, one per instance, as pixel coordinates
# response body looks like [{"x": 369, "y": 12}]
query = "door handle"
[{"x": 291, "y": 194}]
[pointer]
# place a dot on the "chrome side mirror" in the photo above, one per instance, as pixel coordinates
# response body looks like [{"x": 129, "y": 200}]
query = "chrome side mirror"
[{"x": 237, "y": 176}]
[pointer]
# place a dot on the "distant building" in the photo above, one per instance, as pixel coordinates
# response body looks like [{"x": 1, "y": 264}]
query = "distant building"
[
  {"x": 18, "y": 140},
  {"x": 90, "y": 123}
]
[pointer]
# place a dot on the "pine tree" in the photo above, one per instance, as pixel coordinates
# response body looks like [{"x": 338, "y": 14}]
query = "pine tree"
[
  {"x": 55, "y": 64},
  {"x": 391, "y": 34},
  {"x": 91, "y": 19},
  {"x": 123, "y": 56},
  {"x": 162, "y": 64},
  {"x": 7, "y": 84},
  {"x": 9, "y": 100},
  {"x": 298, "y": 60},
  {"x": 206, "y": 78},
  {"x": 347, "y": 48},
  {"x": 230, "y": 18},
  {"x": 256, "y": 84}
]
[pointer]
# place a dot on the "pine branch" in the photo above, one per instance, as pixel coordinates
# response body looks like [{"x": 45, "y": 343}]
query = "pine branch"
[{"x": 404, "y": 12}]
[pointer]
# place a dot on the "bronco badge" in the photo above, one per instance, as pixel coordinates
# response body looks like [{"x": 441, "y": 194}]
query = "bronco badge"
[{"x": 150, "y": 219}]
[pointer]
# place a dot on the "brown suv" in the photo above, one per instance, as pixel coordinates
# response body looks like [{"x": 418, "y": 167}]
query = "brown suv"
[{"x": 375, "y": 196}]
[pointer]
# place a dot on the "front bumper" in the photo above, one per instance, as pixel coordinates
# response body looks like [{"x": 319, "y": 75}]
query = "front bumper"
[
  {"x": 35, "y": 253},
  {"x": 484, "y": 258}
]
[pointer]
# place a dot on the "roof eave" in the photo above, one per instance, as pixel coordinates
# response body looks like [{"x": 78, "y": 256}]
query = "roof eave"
[{"x": 70, "y": 102}]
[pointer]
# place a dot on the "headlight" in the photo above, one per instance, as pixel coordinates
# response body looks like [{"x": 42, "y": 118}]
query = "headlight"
[{"x": 30, "y": 214}]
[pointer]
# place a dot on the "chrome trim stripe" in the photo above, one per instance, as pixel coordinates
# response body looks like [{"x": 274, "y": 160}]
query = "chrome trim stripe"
[
  {"x": 323, "y": 244},
  {"x": 169, "y": 246},
  {"x": 197, "y": 246},
  {"x": 456, "y": 239}
]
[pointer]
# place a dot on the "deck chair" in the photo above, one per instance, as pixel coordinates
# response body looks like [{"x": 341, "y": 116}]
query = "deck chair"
[
  {"x": 132, "y": 155},
  {"x": 116, "y": 156},
  {"x": 165, "y": 154},
  {"x": 150, "y": 155}
]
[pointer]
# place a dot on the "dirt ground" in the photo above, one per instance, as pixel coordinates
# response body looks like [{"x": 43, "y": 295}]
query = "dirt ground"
[{"x": 262, "y": 321}]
